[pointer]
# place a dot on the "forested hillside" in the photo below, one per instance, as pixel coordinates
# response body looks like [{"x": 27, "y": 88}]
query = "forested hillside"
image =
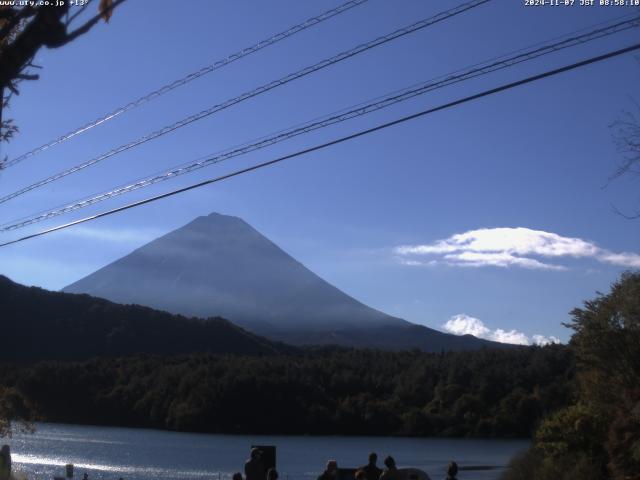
[
  {"x": 44, "y": 325},
  {"x": 329, "y": 391}
]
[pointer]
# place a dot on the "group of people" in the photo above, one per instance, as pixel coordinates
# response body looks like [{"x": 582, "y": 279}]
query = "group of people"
[
  {"x": 254, "y": 469},
  {"x": 371, "y": 471}
]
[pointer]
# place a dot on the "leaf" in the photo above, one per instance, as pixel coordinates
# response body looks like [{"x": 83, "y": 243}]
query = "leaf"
[{"x": 106, "y": 9}]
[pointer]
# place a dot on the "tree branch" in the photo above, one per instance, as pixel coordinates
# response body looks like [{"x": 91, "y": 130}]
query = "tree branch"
[
  {"x": 91, "y": 23},
  {"x": 46, "y": 29},
  {"x": 12, "y": 21},
  {"x": 624, "y": 215}
]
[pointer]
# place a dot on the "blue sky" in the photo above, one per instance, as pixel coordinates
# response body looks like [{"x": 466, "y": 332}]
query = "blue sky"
[{"x": 491, "y": 218}]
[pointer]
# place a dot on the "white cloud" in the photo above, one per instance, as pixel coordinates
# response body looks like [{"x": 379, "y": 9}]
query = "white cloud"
[
  {"x": 511, "y": 336},
  {"x": 415, "y": 263},
  {"x": 463, "y": 324},
  {"x": 119, "y": 235},
  {"x": 502, "y": 259},
  {"x": 511, "y": 247},
  {"x": 623, "y": 259},
  {"x": 542, "y": 340}
]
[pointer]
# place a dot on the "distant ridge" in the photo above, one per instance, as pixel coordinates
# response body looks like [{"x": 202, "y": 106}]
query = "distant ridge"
[
  {"x": 37, "y": 324},
  {"x": 219, "y": 265}
]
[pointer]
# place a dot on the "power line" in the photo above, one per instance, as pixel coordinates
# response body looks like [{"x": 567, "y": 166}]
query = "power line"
[
  {"x": 337, "y": 141},
  {"x": 188, "y": 78},
  {"x": 260, "y": 90},
  {"x": 332, "y": 119}
]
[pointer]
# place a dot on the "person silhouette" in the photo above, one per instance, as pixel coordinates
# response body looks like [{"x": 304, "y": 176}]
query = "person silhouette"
[
  {"x": 371, "y": 470},
  {"x": 452, "y": 471},
  {"x": 330, "y": 472},
  {"x": 391, "y": 472},
  {"x": 254, "y": 468},
  {"x": 5, "y": 462}
]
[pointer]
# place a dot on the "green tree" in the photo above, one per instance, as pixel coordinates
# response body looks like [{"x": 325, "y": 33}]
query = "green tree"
[
  {"x": 16, "y": 412},
  {"x": 599, "y": 435},
  {"x": 607, "y": 347}
]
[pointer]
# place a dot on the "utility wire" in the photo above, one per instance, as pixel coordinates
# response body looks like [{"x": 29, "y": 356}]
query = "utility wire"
[
  {"x": 188, "y": 78},
  {"x": 262, "y": 89},
  {"x": 332, "y": 119},
  {"x": 337, "y": 141}
]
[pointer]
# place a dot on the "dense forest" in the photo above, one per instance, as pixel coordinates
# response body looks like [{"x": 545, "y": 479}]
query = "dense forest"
[
  {"x": 597, "y": 436},
  {"x": 325, "y": 391}
]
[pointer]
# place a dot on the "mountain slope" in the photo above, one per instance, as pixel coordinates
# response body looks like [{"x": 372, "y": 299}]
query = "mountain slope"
[
  {"x": 220, "y": 266},
  {"x": 388, "y": 337},
  {"x": 37, "y": 324}
]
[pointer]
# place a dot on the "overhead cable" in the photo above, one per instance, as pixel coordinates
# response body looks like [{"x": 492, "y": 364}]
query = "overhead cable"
[
  {"x": 332, "y": 119},
  {"x": 250, "y": 94},
  {"x": 188, "y": 78},
  {"x": 337, "y": 141}
]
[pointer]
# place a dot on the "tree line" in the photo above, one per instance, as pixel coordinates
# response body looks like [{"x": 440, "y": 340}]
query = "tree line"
[{"x": 484, "y": 393}]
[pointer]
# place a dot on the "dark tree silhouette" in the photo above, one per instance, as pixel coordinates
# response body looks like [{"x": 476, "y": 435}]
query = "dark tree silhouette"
[
  {"x": 16, "y": 412},
  {"x": 626, "y": 135},
  {"x": 597, "y": 437},
  {"x": 24, "y": 30}
]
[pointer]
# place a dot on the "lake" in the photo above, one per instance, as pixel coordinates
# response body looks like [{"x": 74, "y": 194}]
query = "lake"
[{"x": 140, "y": 454}]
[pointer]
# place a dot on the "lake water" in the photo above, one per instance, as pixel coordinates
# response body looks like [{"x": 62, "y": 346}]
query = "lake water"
[{"x": 139, "y": 454}]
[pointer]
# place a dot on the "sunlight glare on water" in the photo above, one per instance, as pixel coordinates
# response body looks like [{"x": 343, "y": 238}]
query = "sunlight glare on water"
[{"x": 140, "y": 454}]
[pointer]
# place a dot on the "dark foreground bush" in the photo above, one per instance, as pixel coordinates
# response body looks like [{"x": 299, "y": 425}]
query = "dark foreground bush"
[{"x": 598, "y": 435}]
